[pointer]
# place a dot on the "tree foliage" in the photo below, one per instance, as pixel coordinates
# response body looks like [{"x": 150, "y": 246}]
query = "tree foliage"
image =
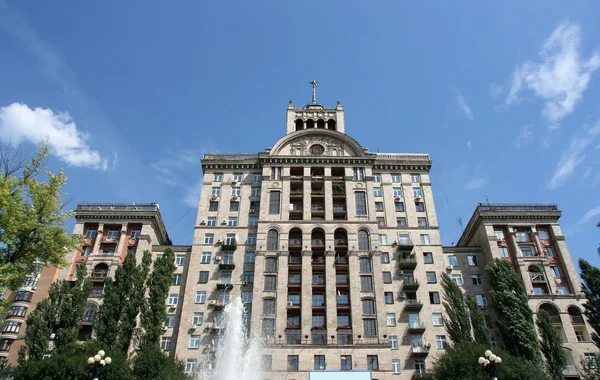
[
  {"x": 152, "y": 364},
  {"x": 591, "y": 287},
  {"x": 481, "y": 333},
  {"x": 515, "y": 318},
  {"x": 590, "y": 368},
  {"x": 460, "y": 363},
  {"x": 32, "y": 219},
  {"x": 457, "y": 323},
  {"x": 551, "y": 346}
]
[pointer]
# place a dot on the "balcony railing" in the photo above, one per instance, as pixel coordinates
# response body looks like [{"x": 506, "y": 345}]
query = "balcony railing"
[
  {"x": 410, "y": 284},
  {"x": 341, "y": 260},
  {"x": 413, "y": 305},
  {"x": 341, "y": 242},
  {"x": 408, "y": 264},
  {"x": 577, "y": 320},
  {"x": 99, "y": 275},
  {"x": 416, "y": 326},
  {"x": 405, "y": 242},
  {"x": 295, "y": 242},
  {"x": 117, "y": 207},
  {"x": 556, "y": 319},
  {"x": 419, "y": 350}
]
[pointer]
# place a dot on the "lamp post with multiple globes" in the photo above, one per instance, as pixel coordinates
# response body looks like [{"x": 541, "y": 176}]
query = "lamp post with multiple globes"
[
  {"x": 491, "y": 362},
  {"x": 98, "y": 362}
]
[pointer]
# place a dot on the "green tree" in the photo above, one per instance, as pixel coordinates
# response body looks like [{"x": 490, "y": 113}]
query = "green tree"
[
  {"x": 591, "y": 287},
  {"x": 515, "y": 318},
  {"x": 460, "y": 363},
  {"x": 480, "y": 331},
  {"x": 152, "y": 364},
  {"x": 36, "y": 343},
  {"x": 32, "y": 218},
  {"x": 457, "y": 323},
  {"x": 551, "y": 346},
  {"x": 159, "y": 283},
  {"x": 590, "y": 368}
]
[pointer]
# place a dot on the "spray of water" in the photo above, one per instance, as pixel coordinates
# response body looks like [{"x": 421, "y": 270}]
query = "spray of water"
[{"x": 237, "y": 356}]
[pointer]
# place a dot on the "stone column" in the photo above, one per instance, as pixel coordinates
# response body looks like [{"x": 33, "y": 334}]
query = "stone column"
[
  {"x": 98, "y": 241},
  {"x": 282, "y": 289},
  {"x": 355, "y": 299},
  {"x": 306, "y": 295},
  {"x": 330, "y": 295}
]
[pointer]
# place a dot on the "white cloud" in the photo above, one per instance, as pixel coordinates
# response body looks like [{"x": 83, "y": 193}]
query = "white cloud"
[
  {"x": 476, "y": 183},
  {"x": 560, "y": 77},
  {"x": 463, "y": 106},
  {"x": 589, "y": 215},
  {"x": 20, "y": 123},
  {"x": 573, "y": 156},
  {"x": 525, "y": 136},
  {"x": 469, "y": 144}
]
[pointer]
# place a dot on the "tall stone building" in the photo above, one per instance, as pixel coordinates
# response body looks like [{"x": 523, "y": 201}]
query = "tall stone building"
[{"x": 336, "y": 254}]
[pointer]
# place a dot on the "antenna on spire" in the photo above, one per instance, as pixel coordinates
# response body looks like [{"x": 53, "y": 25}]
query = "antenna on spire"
[{"x": 314, "y": 85}]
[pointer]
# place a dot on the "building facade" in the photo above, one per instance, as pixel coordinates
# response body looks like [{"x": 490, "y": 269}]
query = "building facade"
[{"x": 335, "y": 252}]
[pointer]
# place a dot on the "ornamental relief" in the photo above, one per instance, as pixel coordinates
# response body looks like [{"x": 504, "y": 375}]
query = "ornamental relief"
[{"x": 316, "y": 146}]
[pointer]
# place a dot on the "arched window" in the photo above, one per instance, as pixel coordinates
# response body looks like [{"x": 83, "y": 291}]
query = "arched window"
[
  {"x": 575, "y": 315},
  {"x": 363, "y": 241},
  {"x": 299, "y": 124},
  {"x": 310, "y": 123},
  {"x": 365, "y": 265},
  {"x": 295, "y": 238},
  {"x": 90, "y": 313},
  {"x": 272, "y": 240},
  {"x": 331, "y": 124},
  {"x": 554, "y": 313},
  {"x": 321, "y": 124},
  {"x": 100, "y": 271}
]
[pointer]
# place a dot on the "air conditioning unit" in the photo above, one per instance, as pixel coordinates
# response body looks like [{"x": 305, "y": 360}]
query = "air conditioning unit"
[
  {"x": 449, "y": 267},
  {"x": 290, "y": 303},
  {"x": 400, "y": 272},
  {"x": 170, "y": 306},
  {"x": 234, "y": 196},
  {"x": 217, "y": 258},
  {"x": 417, "y": 198},
  {"x": 213, "y": 197},
  {"x": 212, "y": 302},
  {"x": 193, "y": 327}
]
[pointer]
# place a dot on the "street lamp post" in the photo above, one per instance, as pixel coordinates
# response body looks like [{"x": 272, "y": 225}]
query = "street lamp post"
[
  {"x": 491, "y": 363},
  {"x": 98, "y": 363}
]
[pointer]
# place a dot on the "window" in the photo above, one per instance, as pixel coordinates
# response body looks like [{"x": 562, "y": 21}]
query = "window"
[
  {"x": 292, "y": 362},
  {"x": 457, "y": 279},
  {"x": 20, "y": 311},
  {"x": 434, "y": 298},
  {"x": 205, "y": 259},
  {"x": 268, "y": 327},
  {"x": 420, "y": 206},
  {"x": 363, "y": 240},
  {"x": 401, "y": 221},
  {"x": 232, "y": 221},
  {"x": 87, "y": 250},
  {"x": 385, "y": 257},
  {"x": 274, "y": 202},
  {"x": 235, "y": 191},
  {"x": 275, "y": 173},
  {"x": 173, "y": 299},
  {"x": 252, "y": 239},
  {"x": 269, "y": 306},
  {"x": 396, "y": 365},
  {"x": 425, "y": 239},
  {"x": 365, "y": 265},
  {"x": 237, "y": 177},
  {"x": 254, "y": 207},
  {"x": 415, "y": 178},
  {"x": 256, "y": 177},
  {"x": 579, "y": 335},
  {"x": 213, "y": 206},
  {"x": 431, "y": 277},
  {"x": 170, "y": 321},
  {"x": 227, "y": 258},
  {"x": 361, "y": 203},
  {"x": 422, "y": 222},
  {"x": 377, "y": 192},
  {"x": 488, "y": 321},
  {"x": 176, "y": 279},
  {"x": 191, "y": 365},
  {"x": 526, "y": 252},
  {"x": 90, "y": 233},
  {"x": 472, "y": 260},
  {"x": 247, "y": 297},
  {"x": 165, "y": 343},
  {"x": 437, "y": 319},
  {"x": 23, "y": 296},
  {"x": 366, "y": 283},
  {"x": 562, "y": 290},
  {"x": 499, "y": 234},
  {"x": 209, "y": 238},
  {"x": 135, "y": 233},
  {"x": 11, "y": 327},
  {"x": 368, "y": 307},
  {"x": 555, "y": 271},
  {"x": 194, "y": 341},
  {"x": 503, "y": 252},
  {"x": 248, "y": 277},
  {"x": 346, "y": 362},
  {"x": 250, "y": 257},
  {"x": 234, "y": 206},
  {"x": 390, "y": 319},
  {"x": 377, "y": 178},
  {"x": 253, "y": 221},
  {"x": 359, "y": 174},
  {"x": 215, "y": 191},
  {"x": 476, "y": 279},
  {"x": 372, "y": 362},
  {"x": 270, "y": 283},
  {"x": 440, "y": 342},
  {"x": 255, "y": 192},
  {"x": 387, "y": 277},
  {"x": 203, "y": 277},
  {"x": 198, "y": 318},
  {"x": 378, "y": 206},
  {"x": 397, "y": 192},
  {"x": 481, "y": 301},
  {"x": 318, "y": 299},
  {"x": 420, "y": 367},
  {"x": 522, "y": 236},
  {"x": 428, "y": 257},
  {"x": 272, "y": 240},
  {"x": 591, "y": 359},
  {"x": 396, "y": 178},
  {"x": 381, "y": 221},
  {"x": 417, "y": 192},
  {"x": 399, "y": 206},
  {"x": 548, "y": 251},
  {"x": 217, "y": 177},
  {"x": 319, "y": 362},
  {"x": 200, "y": 297},
  {"x": 389, "y": 297},
  {"x": 452, "y": 261},
  {"x": 383, "y": 239},
  {"x": 394, "y": 341}
]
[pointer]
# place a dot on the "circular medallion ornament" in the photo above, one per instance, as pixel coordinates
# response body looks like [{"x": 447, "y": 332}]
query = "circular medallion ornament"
[{"x": 317, "y": 149}]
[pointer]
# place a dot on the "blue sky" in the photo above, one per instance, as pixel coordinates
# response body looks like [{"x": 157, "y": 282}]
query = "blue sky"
[{"x": 503, "y": 95}]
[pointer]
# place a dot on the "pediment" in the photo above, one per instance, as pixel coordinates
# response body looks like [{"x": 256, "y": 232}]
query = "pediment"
[{"x": 317, "y": 143}]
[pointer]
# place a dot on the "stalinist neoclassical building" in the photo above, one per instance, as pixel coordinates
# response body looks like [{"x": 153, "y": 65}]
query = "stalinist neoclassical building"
[{"x": 336, "y": 253}]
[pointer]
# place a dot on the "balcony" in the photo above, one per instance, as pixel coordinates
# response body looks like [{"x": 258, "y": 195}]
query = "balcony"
[
  {"x": 295, "y": 262},
  {"x": 220, "y": 304},
  {"x": 413, "y": 305},
  {"x": 295, "y": 243},
  {"x": 556, "y": 320},
  {"x": 215, "y": 326},
  {"x": 419, "y": 351},
  {"x": 341, "y": 261},
  {"x": 570, "y": 371},
  {"x": 97, "y": 292},
  {"x": 99, "y": 275},
  {"x": 410, "y": 285},
  {"x": 404, "y": 243},
  {"x": 224, "y": 284},
  {"x": 110, "y": 239},
  {"x": 341, "y": 243},
  {"x": 294, "y": 283},
  {"x": 407, "y": 264},
  {"x": 416, "y": 327},
  {"x": 293, "y": 305},
  {"x": 343, "y": 305},
  {"x": 296, "y": 178},
  {"x": 229, "y": 244},
  {"x": 226, "y": 265},
  {"x": 318, "y": 261},
  {"x": 577, "y": 320}
]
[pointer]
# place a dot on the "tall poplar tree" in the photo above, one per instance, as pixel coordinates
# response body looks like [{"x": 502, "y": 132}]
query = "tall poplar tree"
[
  {"x": 457, "y": 323},
  {"x": 481, "y": 332},
  {"x": 551, "y": 346},
  {"x": 515, "y": 318},
  {"x": 591, "y": 287}
]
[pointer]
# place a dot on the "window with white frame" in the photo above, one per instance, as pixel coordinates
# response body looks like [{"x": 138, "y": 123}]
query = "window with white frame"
[
  {"x": 399, "y": 206},
  {"x": 417, "y": 192},
  {"x": 394, "y": 342},
  {"x": 217, "y": 177},
  {"x": 425, "y": 239},
  {"x": 396, "y": 178},
  {"x": 191, "y": 365},
  {"x": 90, "y": 233},
  {"x": 205, "y": 258},
  {"x": 377, "y": 178},
  {"x": 209, "y": 238},
  {"x": 176, "y": 279},
  {"x": 358, "y": 174},
  {"x": 481, "y": 300},
  {"x": 526, "y": 252},
  {"x": 173, "y": 299},
  {"x": 170, "y": 321},
  {"x": 396, "y": 365},
  {"x": 276, "y": 173},
  {"x": 390, "y": 319},
  {"x": 198, "y": 318},
  {"x": 235, "y": 191},
  {"x": 378, "y": 206},
  {"x": 397, "y": 192},
  {"x": 437, "y": 319},
  {"x": 476, "y": 279},
  {"x": 250, "y": 257},
  {"x": 431, "y": 277},
  {"x": 472, "y": 260},
  {"x": 237, "y": 177},
  {"x": 252, "y": 239},
  {"x": 377, "y": 192},
  {"x": 253, "y": 221},
  {"x": 452, "y": 261},
  {"x": 200, "y": 297},
  {"x": 383, "y": 239},
  {"x": 457, "y": 279},
  {"x": 165, "y": 343},
  {"x": 215, "y": 191},
  {"x": 256, "y": 177},
  {"x": 255, "y": 191},
  {"x": 415, "y": 178},
  {"x": 504, "y": 252},
  {"x": 440, "y": 342},
  {"x": 232, "y": 221}
]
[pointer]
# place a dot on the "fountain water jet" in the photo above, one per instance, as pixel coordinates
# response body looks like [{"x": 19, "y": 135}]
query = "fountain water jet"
[{"x": 238, "y": 356}]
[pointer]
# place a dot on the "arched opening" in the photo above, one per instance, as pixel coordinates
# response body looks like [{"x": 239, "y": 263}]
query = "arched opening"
[
  {"x": 272, "y": 240},
  {"x": 310, "y": 123},
  {"x": 340, "y": 241},
  {"x": 553, "y": 311},
  {"x": 321, "y": 124},
  {"x": 363, "y": 241},
  {"x": 317, "y": 239},
  {"x": 295, "y": 239},
  {"x": 90, "y": 313},
  {"x": 331, "y": 124},
  {"x": 576, "y": 316},
  {"x": 100, "y": 271},
  {"x": 299, "y": 124}
]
